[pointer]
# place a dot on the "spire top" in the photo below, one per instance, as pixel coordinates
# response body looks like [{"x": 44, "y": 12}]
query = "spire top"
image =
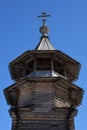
[
  {"x": 44, "y": 29},
  {"x": 43, "y": 16}
]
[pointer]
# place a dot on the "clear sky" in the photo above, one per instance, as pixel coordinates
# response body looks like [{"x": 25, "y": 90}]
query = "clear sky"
[{"x": 19, "y": 32}]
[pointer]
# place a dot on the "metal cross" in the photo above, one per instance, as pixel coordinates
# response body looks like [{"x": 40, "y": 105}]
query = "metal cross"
[{"x": 43, "y": 16}]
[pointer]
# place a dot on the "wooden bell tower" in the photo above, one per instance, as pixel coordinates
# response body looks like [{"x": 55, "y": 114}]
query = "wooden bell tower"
[{"x": 43, "y": 96}]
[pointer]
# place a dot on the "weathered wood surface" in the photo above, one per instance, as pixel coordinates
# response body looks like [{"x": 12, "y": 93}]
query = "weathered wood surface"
[
  {"x": 62, "y": 119},
  {"x": 36, "y": 102},
  {"x": 43, "y": 96}
]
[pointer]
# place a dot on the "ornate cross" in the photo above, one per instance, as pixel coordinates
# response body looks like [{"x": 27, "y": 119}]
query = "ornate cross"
[{"x": 43, "y": 16}]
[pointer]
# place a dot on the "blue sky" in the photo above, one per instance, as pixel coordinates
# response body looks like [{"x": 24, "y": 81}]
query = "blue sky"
[{"x": 19, "y": 31}]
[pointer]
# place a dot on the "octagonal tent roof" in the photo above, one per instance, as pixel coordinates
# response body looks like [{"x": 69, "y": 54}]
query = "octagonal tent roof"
[{"x": 44, "y": 44}]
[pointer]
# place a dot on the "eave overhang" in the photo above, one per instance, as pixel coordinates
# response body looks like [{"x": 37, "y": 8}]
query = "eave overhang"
[
  {"x": 65, "y": 84},
  {"x": 72, "y": 66}
]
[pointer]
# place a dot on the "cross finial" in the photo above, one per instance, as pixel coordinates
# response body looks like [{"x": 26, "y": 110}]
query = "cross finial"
[{"x": 43, "y": 16}]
